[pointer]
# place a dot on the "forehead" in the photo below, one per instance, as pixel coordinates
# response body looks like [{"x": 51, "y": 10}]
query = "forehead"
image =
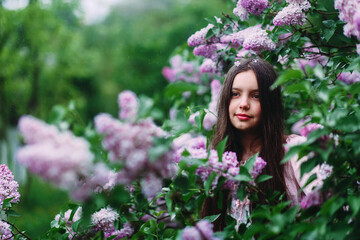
[{"x": 245, "y": 81}]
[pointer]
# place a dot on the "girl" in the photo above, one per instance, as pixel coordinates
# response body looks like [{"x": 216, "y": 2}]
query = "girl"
[{"x": 251, "y": 115}]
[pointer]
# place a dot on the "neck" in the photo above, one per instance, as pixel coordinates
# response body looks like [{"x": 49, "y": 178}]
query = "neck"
[{"x": 251, "y": 143}]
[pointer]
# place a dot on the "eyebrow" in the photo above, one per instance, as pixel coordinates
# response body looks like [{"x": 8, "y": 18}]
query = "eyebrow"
[{"x": 253, "y": 90}]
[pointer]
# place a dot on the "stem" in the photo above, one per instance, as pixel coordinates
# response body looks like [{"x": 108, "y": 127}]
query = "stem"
[{"x": 26, "y": 236}]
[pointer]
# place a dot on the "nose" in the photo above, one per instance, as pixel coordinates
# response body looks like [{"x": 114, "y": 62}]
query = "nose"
[{"x": 244, "y": 103}]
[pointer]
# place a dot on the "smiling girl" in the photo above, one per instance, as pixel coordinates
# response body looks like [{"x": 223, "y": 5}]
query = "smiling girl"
[{"x": 250, "y": 114}]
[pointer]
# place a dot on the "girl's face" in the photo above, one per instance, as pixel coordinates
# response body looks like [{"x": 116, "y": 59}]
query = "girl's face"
[{"x": 244, "y": 107}]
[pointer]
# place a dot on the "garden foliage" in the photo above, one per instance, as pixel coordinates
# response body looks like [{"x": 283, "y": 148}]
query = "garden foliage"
[{"x": 129, "y": 178}]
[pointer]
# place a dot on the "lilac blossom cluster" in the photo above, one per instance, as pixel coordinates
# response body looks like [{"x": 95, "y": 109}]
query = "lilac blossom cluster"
[
  {"x": 312, "y": 199},
  {"x": 104, "y": 219},
  {"x": 241, "y": 12},
  {"x": 259, "y": 165},
  {"x": 181, "y": 70},
  {"x": 199, "y": 37},
  {"x": 5, "y": 231},
  {"x": 312, "y": 57},
  {"x": 8, "y": 186},
  {"x": 60, "y": 158},
  {"x": 349, "y": 12},
  {"x": 308, "y": 128},
  {"x": 129, "y": 105},
  {"x": 349, "y": 78},
  {"x": 254, "y": 6},
  {"x": 293, "y": 14},
  {"x": 252, "y": 38},
  {"x": 128, "y": 144},
  {"x": 68, "y": 221},
  {"x": 203, "y": 230},
  {"x": 228, "y": 167},
  {"x": 211, "y": 113}
]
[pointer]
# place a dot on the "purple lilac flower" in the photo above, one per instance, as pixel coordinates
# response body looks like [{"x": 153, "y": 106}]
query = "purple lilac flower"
[
  {"x": 313, "y": 199},
  {"x": 129, "y": 144},
  {"x": 208, "y": 50},
  {"x": 8, "y": 186},
  {"x": 349, "y": 12},
  {"x": 254, "y": 6},
  {"x": 259, "y": 165},
  {"x": 257, "y": 40},
  {"x": 203, "y": 230},
  {"x": 349, "y": 78},
  {"x": 241, "y": 12},
  {"x": 208, "y": 66},
  {"x": 59, "y": 157},
  {"x": 104, "y": 219},
  {"x": 198, "y": 38},
  {"x": 324, "y": 172},
  {"x": 293, "y": 15},
  {"x": 304, "y": 131},
  {"x": 126, "y": 232},
  {"x": 5, "y": 231},
  {"x": 151, "y": 185},
  {"x": 312, "y": 57},
  {"x": 128, "y": 104},
  {"x": 181, "y": 70},
  {"x": 191, "y": 233},
  {"x": 69, "y": 222}
]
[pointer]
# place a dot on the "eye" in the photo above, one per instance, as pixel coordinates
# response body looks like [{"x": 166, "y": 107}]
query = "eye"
[
  {"x": 256, "y": 95},
  {"x": 235, "y": 94}
]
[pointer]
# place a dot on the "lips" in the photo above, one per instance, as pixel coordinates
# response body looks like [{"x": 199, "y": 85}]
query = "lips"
[{"x": 243, "y": 116}]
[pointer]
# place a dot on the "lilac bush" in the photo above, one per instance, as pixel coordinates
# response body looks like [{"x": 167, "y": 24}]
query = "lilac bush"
[{"x": 8, "y": 186}]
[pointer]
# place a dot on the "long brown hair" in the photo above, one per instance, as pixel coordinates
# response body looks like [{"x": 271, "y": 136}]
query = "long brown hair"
[{"x": 271, "y": 129}]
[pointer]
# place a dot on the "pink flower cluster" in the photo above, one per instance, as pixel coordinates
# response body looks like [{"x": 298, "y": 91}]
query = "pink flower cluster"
[
  {"x": 349, "y": 78},
  {"x": 181, "y": 70},
  {"x": 254, "y": 6},
  {"x": 68, "y": 222},
  {"x": 5, "y": 231},
  {"x": 308, "y": 128},
  {"x": 259, "y": 165},
  {"x": 312, "y": 57},
  {"x": 128, "y": 144},
  {"x": 210, "y": 117},
  {"x": 199, "y": 38},
  {"x": 240, "y": 11},
  {"x": 59, "y": 157},
  {"x": 312, "y": 199},
  {"x": 228, "y": 167},
  {"x": 104, "y": 219},
  {"x": 129, "y": 105},
  {"x": 203, "y": 230},
  {"x": 8, "y": 186},
  {"x": 252, "y": 38},
  {"x": 349, "y": 12},
  {"x": 293, "y": 14}
]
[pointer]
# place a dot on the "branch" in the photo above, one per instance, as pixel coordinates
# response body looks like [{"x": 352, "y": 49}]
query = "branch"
[{"x": 27, "y": 237}]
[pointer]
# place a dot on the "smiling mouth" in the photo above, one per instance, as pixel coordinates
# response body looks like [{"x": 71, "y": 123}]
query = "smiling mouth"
[{"x": 243, "y": 116}]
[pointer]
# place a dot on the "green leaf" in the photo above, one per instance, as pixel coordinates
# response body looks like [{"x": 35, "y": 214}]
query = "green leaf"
[
  {"x": 287, "y": 76},
  {"x": 12, "y": 213},
  {"x": 241, "y": 193},
  {"x": 220, "y": 148},
  {"x": 294, "y": 150},
  {"x": 209, "y": 181},
  {"x": 354, "y": 203},
  {"x": 212, "y": 218},
  {"x": 243, "y": 176},
  {"x": 57, "y": 114},
  {"x": 303, "y": 86},
  {"x": 177, "y": 88},
  {"x": 263, "y": 178},
  {"x": 249, "y": 165}
]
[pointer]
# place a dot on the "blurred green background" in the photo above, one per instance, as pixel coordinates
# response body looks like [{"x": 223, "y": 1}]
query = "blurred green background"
[{"x": 50, "y": 54}]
